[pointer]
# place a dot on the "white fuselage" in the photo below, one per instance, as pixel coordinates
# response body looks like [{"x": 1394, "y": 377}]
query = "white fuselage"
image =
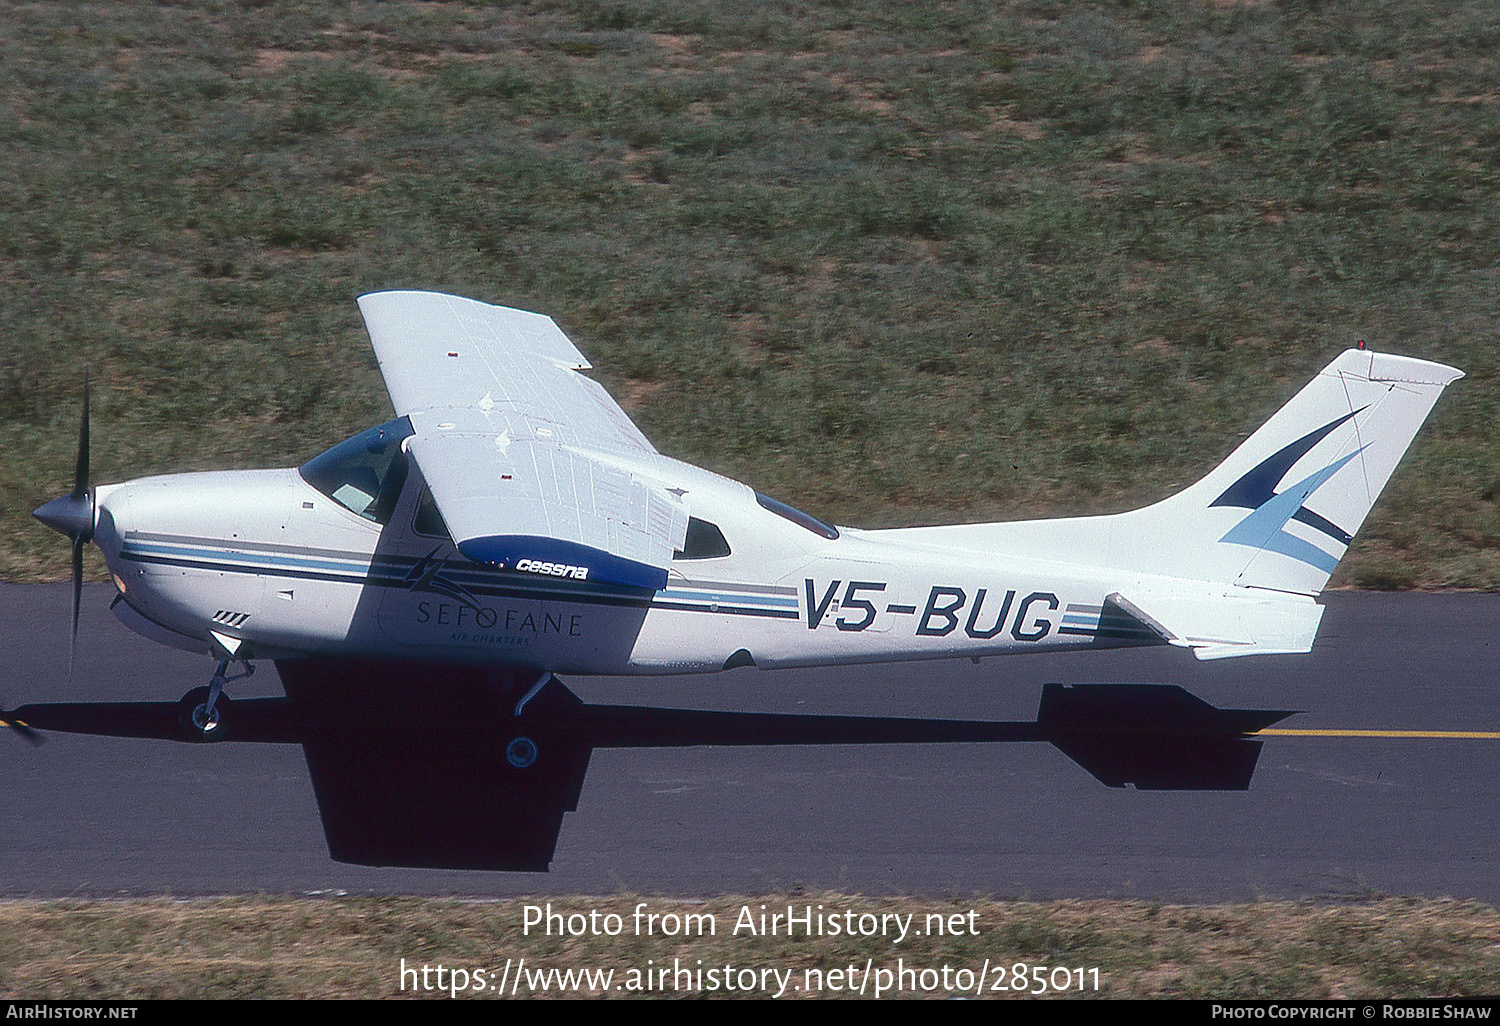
[{"x": 265, "y": 558}]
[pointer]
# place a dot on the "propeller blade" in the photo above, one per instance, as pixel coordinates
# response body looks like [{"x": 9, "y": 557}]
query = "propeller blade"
[
  {"x": 81, "y": 467},
  {"x": 73, "y": 515},
  {"x": 77, "y": 601},
  {"x": 81, "y": 493}
]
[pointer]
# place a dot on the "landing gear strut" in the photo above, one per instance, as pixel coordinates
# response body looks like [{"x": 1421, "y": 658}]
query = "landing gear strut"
[{"x": 522, "y": 751}]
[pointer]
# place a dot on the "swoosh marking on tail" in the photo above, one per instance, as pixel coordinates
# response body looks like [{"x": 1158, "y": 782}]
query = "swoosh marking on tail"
[{"x": 1258, "y": 485}]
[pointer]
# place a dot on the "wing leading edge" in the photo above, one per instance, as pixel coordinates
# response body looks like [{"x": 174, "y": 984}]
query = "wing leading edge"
[{"x": 527, "y": 459}]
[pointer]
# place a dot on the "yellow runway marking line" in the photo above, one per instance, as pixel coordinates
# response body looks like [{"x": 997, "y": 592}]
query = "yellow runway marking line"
[{"x": 1479, "y": 735}]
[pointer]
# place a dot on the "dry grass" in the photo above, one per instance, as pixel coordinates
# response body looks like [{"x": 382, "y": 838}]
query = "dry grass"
[{"x": 353, "y": 947}]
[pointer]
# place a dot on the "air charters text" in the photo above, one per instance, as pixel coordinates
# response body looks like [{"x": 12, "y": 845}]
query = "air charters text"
[{"x": 750, "y": 921}]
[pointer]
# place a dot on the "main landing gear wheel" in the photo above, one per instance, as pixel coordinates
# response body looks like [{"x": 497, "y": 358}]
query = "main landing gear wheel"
[
  {"x": 197, "y": 722},
  {"x": 521, "y": 752}
]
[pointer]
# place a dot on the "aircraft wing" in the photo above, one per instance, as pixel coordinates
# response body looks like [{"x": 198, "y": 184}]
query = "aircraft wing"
[{"x": 528, "y": 460}]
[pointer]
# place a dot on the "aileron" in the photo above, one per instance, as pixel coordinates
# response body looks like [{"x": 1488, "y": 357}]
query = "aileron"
[{"x": 440, "y": 352}]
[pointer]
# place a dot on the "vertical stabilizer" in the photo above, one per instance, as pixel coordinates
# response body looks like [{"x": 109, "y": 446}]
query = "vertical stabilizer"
[
  {"x": 1278, "y": 514},
  {"x": 1281, "y": 511}
]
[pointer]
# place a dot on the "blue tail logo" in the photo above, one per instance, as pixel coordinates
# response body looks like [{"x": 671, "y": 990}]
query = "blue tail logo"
[{"x": 1270, "y": 510}]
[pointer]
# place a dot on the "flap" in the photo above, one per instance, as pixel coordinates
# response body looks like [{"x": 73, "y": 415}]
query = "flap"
[{"x": 537, "y": 507}]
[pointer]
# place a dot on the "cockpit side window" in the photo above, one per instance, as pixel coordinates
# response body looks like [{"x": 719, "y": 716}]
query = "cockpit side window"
[
  {"x": 704, "y": 541},
  {"x": 796, "y": 516},
  {"x": 364, "y": 474}
]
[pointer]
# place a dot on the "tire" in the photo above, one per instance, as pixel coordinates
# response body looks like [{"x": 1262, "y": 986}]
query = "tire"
[
  {"x": 522, "y": 752},
  {"x": 188, "y": 716}
]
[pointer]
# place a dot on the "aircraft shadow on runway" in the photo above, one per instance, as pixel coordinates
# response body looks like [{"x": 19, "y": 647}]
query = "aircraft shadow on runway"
[{"x": 423, "y": 766}]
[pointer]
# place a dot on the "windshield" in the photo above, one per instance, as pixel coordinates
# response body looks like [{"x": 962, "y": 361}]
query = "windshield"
[{"x": 365, "y": 473}]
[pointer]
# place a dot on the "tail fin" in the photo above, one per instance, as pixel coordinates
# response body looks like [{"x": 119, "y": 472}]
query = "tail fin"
[{"x": 1280, "y": 512}]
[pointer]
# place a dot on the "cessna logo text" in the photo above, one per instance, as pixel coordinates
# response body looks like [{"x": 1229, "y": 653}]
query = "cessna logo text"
[{"x": 536, "y": 566}]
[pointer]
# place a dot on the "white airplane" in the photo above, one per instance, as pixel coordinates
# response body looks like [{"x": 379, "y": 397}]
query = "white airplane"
[{"x": 512, "y": 523}]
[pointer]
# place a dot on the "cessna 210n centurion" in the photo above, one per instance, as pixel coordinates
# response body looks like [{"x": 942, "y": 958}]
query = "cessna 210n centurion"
[{"x": 511, "y": 523}]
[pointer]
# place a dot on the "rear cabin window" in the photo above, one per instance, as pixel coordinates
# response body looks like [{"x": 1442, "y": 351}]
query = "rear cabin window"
[
  {"x": 703, "y": 541},
  {"x": 429, "y": 521}
]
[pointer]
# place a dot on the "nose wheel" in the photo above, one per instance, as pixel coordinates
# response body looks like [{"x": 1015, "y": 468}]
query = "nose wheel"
[
  {"x": 202, "y": 721},
  {"x": 204, "y": 713}
]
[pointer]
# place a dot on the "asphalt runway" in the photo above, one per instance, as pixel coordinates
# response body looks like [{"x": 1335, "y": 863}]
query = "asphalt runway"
[{"x": 1324, "y": 817}]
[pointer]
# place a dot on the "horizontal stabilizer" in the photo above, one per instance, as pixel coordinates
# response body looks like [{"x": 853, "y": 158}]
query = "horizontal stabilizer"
[{"x": 1225, "y": 622}]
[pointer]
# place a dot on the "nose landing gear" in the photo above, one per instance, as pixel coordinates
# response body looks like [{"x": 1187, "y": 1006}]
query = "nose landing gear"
[{"x": 205, "y": 712}]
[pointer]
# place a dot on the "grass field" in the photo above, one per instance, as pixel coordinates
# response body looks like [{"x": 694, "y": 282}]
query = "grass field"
[
  {"x": 894, "y": 262},
  {"x": 266, "y": 947}
]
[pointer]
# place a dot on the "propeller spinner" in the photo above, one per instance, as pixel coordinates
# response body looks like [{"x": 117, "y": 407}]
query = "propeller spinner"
[{"x": 73, "y": 515}]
